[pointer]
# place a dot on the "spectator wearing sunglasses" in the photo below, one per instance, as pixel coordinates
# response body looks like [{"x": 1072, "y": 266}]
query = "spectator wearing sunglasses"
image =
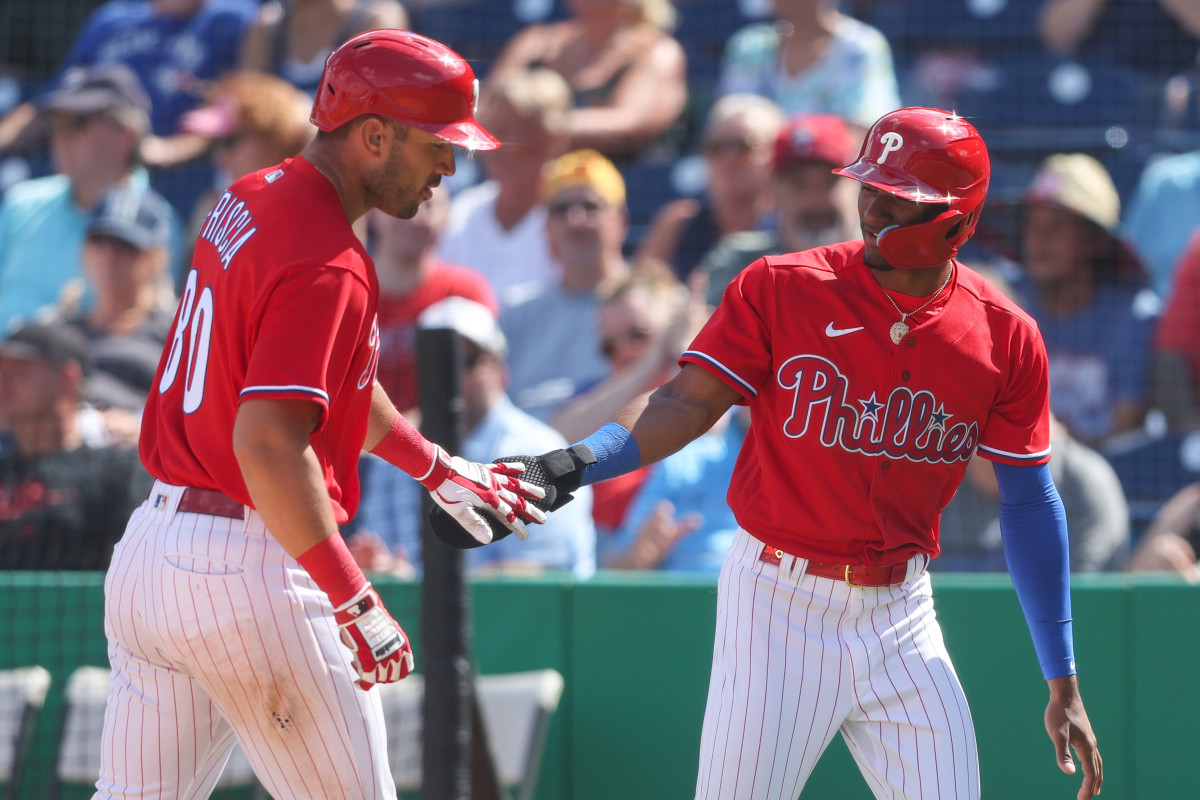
[
  {"x": 737, "y": 150},
  {"x": 644, "y": 320},
  {"x": 96, "y": 119},
  {"x": 552, "y": 332}
]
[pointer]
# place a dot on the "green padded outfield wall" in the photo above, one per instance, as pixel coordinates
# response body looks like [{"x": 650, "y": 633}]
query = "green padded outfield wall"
[{"x": 635, "y": 651}]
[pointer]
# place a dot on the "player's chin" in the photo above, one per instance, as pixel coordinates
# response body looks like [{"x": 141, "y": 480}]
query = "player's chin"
[{"x": 875, "y": 260}]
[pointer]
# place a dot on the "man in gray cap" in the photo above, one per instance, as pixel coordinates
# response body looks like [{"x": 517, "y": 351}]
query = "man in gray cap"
[
  {"x": 125, "y": 260},
  {"x": 65, "y": 502},
  {"x": 96, "y": 120}
]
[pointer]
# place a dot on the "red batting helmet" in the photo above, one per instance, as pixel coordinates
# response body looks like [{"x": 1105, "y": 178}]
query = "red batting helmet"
[
  {"x": 929, "y": 156},
  {"x": 405, "y": 77}
]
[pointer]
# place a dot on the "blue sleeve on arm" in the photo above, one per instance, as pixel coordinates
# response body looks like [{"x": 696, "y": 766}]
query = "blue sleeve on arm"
[
  {"x": 1034, "y": 526},
  {"x": 616, "y": 453}
]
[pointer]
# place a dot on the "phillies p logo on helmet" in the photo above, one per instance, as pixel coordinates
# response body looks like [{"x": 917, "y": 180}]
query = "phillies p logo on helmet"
[{"x": 891, "y": 142}]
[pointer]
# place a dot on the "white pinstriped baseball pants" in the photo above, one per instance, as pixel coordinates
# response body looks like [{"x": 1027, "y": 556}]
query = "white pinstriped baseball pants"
[
  {"x": 797, "y": 658},
  {"x": 215, "y": 632}
]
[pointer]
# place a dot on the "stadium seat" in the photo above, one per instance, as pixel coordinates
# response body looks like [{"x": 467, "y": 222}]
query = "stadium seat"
[
  {"x": 705, "y": 25},
  {"x": 1152, "y": 469},
  {"x": 517, "y": 708},
  {"x": 22, "y": 695},
  {"x": 83, "y": 725},
  {"x": 1046, "y": 103},
  {"x": 981, "y": 26},
  {"x": 479, "y": 29},
  {"x": 652, "y": 183}
]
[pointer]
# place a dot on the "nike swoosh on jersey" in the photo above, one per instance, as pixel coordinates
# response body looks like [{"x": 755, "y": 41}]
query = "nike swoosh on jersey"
[{"x": 833, "y": 332}]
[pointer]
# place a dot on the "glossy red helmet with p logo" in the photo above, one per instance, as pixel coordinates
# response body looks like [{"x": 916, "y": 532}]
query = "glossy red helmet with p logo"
[
  {"x": 926, "y": 155},
  {"x": 405, "y": 77}
]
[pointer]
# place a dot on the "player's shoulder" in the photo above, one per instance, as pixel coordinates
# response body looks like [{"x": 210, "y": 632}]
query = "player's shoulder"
[
  {"x": 289, "y": 216},
  {"x": 996, "y": 303},
  {"x": 816, "y": 264}
]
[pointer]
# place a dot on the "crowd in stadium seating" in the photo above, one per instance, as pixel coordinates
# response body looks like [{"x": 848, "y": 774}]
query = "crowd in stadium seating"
[{"x": 651, "y": 150}]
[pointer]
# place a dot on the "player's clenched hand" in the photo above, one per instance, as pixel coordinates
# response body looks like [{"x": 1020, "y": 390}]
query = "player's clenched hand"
[
  {"x": 467, "y": 490},
  {"x": 382, "y": 652},
  {"x": 1068, "y": 725}
]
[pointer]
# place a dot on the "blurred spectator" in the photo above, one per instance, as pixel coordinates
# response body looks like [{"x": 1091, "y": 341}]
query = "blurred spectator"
[
  {"x": 738, "y": 135},
  {"x": 411, "y": 279},
  {"x": 498, "y": 228},
  {"x": 63, "y": 504},
  {"x": 813, "y": 59},
  {"x": 1164, "y": 213},
  {"x": 176, "y": 48},
  {"x": 645, "y": 321},
  {"x": 125, "y": 262},
  {"x": 553, "y": 334},
  {"x": 680, "y": 520},
  {"x": 813, "y": 207},
  {"x": 96, "y": 121},
  {"x": 292, "y": 38},
  {"x": 1159, "y": 37},
  {"x": 627, "y": 73},
  {"x": 1177, "y": 346},
  {"x": 1097, "y": 512},
  {"x": 390, "y": 513},
  {"x": 1086, "y": 290},
  {"x": 1172, "y": 541},
  {"x": 253, "y": 121}
]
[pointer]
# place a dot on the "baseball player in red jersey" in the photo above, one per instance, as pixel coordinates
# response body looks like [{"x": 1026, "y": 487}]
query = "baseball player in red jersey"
[
  {"x": 232, "y": 599},
  {"x": 873, "y": 370}
]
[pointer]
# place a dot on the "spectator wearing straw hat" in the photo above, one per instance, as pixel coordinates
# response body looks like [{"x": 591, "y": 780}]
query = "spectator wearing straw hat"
[{"x": 1089, "y": 294}]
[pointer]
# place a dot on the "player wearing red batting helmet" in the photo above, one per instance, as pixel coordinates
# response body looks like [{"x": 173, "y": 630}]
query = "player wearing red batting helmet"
[
  {"x": 927, "y": 156},
  {"x": 874, "y": 370},
  {"x": 232, "y": 599},
  {"x": 405, "y": 77}
]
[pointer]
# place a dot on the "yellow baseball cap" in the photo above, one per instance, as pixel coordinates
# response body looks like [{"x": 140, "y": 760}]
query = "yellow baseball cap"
[{"x": 583, "y": 168}]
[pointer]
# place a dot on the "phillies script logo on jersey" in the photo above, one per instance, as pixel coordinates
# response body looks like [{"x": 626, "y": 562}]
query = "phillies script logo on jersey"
[
  {"x": 905, "y": 424},
  {"x": 368, "y": 373}
]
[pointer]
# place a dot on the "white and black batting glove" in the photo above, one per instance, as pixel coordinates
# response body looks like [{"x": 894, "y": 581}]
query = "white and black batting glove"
[
  {"x": 382, "y": 651},
  {"x": 555, "y": 475},
  {"x": 476, "y": 495}
]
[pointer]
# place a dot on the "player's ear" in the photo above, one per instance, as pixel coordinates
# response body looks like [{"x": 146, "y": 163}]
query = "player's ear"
[{"x": 373, "y": 132}]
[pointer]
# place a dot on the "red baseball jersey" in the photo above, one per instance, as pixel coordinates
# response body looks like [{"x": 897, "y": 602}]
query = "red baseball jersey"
[
  {"x": 856, "y": 443},
  {"x": 280, "y": 303}
]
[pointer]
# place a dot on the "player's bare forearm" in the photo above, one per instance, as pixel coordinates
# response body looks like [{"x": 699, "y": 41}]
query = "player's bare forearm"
[
  {"x": 686, "y": 406},
  {"x": 1068, "y": 726},
  {"x": 282, "y": 473},
  {"x": 383, "y": 412}
]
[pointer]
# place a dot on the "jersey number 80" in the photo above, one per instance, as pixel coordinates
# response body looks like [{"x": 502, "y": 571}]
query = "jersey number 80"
[{"x": 195, "y": 316}]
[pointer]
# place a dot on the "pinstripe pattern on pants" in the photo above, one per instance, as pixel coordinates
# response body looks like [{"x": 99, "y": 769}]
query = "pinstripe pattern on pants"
[
  {"x": 798, "y": 658},
  {"x": 215, "y": 632}
]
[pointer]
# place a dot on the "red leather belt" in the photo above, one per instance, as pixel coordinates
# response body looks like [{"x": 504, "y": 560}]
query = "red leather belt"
[
  {"x": 208, "y": 501},
  {"x": 853, "y": 574}
]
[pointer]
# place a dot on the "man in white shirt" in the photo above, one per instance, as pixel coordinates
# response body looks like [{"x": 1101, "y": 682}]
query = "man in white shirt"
[{"x": 499, "y": 227}]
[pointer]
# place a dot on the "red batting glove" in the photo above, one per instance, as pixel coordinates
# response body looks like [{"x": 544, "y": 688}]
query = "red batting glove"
[
  {"x": 382, "y": 652},
  {"x": 465, "y": 489}
]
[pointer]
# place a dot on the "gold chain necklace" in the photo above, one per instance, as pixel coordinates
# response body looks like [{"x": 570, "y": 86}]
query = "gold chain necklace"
[{"x": 900, "y": 329}]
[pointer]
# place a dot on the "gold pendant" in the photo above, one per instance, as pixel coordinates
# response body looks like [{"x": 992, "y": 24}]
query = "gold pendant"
[{"x": 898, "y": 331}]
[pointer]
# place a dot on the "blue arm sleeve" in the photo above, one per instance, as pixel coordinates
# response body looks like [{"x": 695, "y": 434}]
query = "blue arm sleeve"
[
  {"x": 1034, "y": 526},
  {"x": 616, "y": 453}
]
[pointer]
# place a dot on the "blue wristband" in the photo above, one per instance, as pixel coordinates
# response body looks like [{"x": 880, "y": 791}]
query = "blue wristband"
[
  {"x": 1034, "y": 527},
  {"x": 616, "y": 453}
]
